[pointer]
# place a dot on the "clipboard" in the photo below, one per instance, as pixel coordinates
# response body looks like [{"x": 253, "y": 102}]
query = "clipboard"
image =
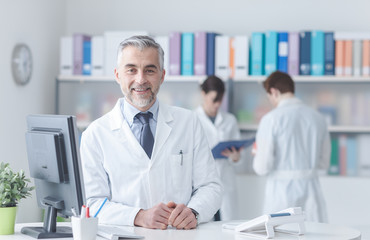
[{"x": 216, "y": 151}]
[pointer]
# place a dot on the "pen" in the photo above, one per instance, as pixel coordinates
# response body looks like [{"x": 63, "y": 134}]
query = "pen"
[
  {"x": 83, "y": 211},
  {"x": 74, "y": 211},
  {"x": 87, "y": 212},
  {"x": 96, "y": 214},
  {"x": 182, "y": 156}
]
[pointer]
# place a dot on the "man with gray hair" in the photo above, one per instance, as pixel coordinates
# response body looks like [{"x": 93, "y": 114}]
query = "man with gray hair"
[{"x": 151, "y": 161}]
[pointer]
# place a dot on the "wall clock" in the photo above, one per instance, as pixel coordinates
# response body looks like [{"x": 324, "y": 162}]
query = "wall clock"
[{"x": 21, "y": 64}]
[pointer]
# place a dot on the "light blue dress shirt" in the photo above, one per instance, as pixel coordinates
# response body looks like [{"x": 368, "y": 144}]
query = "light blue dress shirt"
[{"x": 129, "y": 112}]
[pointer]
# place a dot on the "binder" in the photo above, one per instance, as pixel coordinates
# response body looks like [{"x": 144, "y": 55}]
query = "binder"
[
  {"x": 329, "y": 53},
  {"x": 66, "y": 56},
  {"x": 200, "y": 53},
  {"x": 175, "y": 53},
  {"x": 222, "y": 57},
  {"x": 283, "y": 50},
  {"x": 86, "y": 59},
  {"x": 257, "y": 54},
  {"x": 348, "y": 58},
  {"x": 352, "y": 166},
  {"x": 187, "y": 54},
  {"x": 357, "y": 57},
  {"x": 366, "y": 58},
  {"x": 339, "y": 58},
  {"x": 241, "y": 56},
  {"x": 342, "y": 154},
  {"x": 211, "y": 47},
  {"x": 78, "y": 52},
  {"x": 271, "y": 52},
  {"x": 165, "y": 45},
  {"x": 112, "y": 39},
  {"x": 305, "y": 53},
  {"x": 317, "y": 53},
  {"x": 293, "y": 54},
  {"x": 334, "y": 158},
  {"x": 97, "y": 56},
  {"x": 232, "y": 57}
]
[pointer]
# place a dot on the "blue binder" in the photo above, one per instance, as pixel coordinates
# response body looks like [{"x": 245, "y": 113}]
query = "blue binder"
[
  {"x": 283, "y": 52},
  {"x": 86, "y": 58},
  {"x": 329, "y": 54},
  {"x": 187, "y": 54},
  {"x": 305, "y": 53},
  {"x": 271, "y": 52},
  {"x": 317, "y": 53},
  {"x": 216, "y": 151},
  {"x": 211, "y": 43},
  {"x": 257, "y": 54}
]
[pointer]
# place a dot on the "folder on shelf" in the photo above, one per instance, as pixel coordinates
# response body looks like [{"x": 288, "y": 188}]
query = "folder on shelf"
[
  {"x": 257, "y": 54},
  {"x": 165, "y": 44},
  {"x": 357, "y": 57},
  {"x": 305, "y": 53},
  {"x": 187, "y": 54},
  {"x": 232, "y": 57},
  {"x": 334, "y": 158},
  {"x": 348, "y": 57},
  {"x": 339, "y": 57},
  {"x": 237, "y": 144},
  {"x": 66, "y": 56},
  {"x": 78, "y": 52},
  {"x": 200, "y": 53},
  {"x": 271, "y": 52},
  {"x": 363, "y": 154},
  {"x": 293, "y": 54},
  {"x": 283, "y": 47},
  {"x": 211, "y": 48},
  {"x": 352, "y": 166},
  {"x": 366, "y": 58},
  {"x": 329, "y": 53},
  {"x": 112, "y": 39},
  {"x": 241, "y": 57},
  {"x": 86, "y": 58},
  {"x": 343, "y": 154},
  {"x": 175, "y": 53},
  {"x": 97, "y": 56},
  {"x": 222, "y": 56},
  {"x": 317, "y": 53}
]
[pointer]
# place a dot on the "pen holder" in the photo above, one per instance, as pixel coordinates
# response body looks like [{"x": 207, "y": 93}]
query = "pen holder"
[{"x": 84, "y": 228}]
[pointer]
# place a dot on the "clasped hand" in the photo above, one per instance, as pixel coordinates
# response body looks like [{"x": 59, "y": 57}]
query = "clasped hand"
[{"x": 162, "y": 215}]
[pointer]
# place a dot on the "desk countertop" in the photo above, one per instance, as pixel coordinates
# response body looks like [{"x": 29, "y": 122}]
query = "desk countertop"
[{"x": 213, "y": 230}]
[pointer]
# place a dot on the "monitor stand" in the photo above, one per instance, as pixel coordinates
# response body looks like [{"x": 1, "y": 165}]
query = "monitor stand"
[{"x": 49, "y": 230}]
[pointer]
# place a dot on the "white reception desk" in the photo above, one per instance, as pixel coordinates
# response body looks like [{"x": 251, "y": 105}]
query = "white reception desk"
[{"x": 214, "y": 231}]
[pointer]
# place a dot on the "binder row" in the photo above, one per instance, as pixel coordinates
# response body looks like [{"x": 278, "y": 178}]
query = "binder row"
[
  {"x": 349, "y": 155},
  {"x": 315, "y": 53}
]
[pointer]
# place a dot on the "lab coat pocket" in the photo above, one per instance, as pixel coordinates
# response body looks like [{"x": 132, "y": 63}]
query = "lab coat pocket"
[{"x": 179, "y": 168}]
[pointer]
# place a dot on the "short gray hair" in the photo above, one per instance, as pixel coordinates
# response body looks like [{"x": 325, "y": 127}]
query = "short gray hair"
[{"x": 141, "y": 42}]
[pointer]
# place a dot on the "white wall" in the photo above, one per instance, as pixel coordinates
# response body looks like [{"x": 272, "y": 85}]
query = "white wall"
[{"x": 38, "y": 23}]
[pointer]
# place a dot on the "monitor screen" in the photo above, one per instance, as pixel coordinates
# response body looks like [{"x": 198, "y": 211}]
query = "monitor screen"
[{"x": 54, "y": 163}]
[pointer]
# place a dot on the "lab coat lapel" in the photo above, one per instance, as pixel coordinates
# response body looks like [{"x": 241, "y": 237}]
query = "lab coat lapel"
[
  {"x": 163, "y": 130},
  {"x": 123, "y": 132}
]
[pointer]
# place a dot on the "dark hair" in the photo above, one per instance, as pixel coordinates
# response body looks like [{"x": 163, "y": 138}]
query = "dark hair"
[
  {"x": 279, "y": 80},
  {"x": 213, "y": 83}
]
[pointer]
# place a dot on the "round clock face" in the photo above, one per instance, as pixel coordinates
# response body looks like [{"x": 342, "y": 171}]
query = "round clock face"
[{"x": 22, "y": 64}]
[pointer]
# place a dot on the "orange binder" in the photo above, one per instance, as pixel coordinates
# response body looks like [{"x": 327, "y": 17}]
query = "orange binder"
[
  {"x": 348, "y": 51},
  {"x": 232, "y": 58},
  {"x": 366, "y": 57},
  {"x": 339, "y": 57}
]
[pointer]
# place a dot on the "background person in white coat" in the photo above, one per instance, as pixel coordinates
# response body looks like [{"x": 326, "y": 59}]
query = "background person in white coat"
[
  {"x": 221, "y": 126},
  {"x": 154, "y": 174},
  {"x": 293, "y": 143}
]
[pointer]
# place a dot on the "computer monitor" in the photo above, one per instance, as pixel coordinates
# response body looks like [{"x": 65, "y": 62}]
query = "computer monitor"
[{"x": 54, "y": 163}]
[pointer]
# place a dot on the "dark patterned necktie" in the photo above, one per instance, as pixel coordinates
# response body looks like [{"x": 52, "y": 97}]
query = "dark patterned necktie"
[{"x": 146, "y": 136}]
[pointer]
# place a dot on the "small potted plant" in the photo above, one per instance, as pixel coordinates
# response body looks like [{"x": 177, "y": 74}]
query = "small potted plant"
[{"x": 13, "y": 187}]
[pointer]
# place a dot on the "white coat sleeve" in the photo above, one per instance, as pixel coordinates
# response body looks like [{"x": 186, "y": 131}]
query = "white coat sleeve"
[
  {"x": 97, "y": 186},
  {"x": 264, "y": 158},
  {"x": 207, "y": 188},
  {"x": 324, "y": 160},
  {"x": 235, "y": 135}
]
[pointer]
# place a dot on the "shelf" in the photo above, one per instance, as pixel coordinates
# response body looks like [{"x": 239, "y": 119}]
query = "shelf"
[
  {"x": 332, "y": 129},
  {"x": 310, "y": 79},
  {"x": 85, "y": 78}
]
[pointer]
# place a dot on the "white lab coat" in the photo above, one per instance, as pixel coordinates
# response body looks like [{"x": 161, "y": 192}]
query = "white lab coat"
[
  {"x": 293, "y": 143},
  {"x": 116, "y": 166},
  {"x": 225, "y": 128}
]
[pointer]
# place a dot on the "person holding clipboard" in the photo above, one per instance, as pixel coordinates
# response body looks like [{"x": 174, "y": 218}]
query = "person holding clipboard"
[{"x": 220, "y": 126}]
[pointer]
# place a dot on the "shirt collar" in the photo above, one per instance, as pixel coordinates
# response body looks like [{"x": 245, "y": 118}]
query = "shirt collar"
[
  {"x": 287, "y": 101},
  {"x": 129, "y": 111}
]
